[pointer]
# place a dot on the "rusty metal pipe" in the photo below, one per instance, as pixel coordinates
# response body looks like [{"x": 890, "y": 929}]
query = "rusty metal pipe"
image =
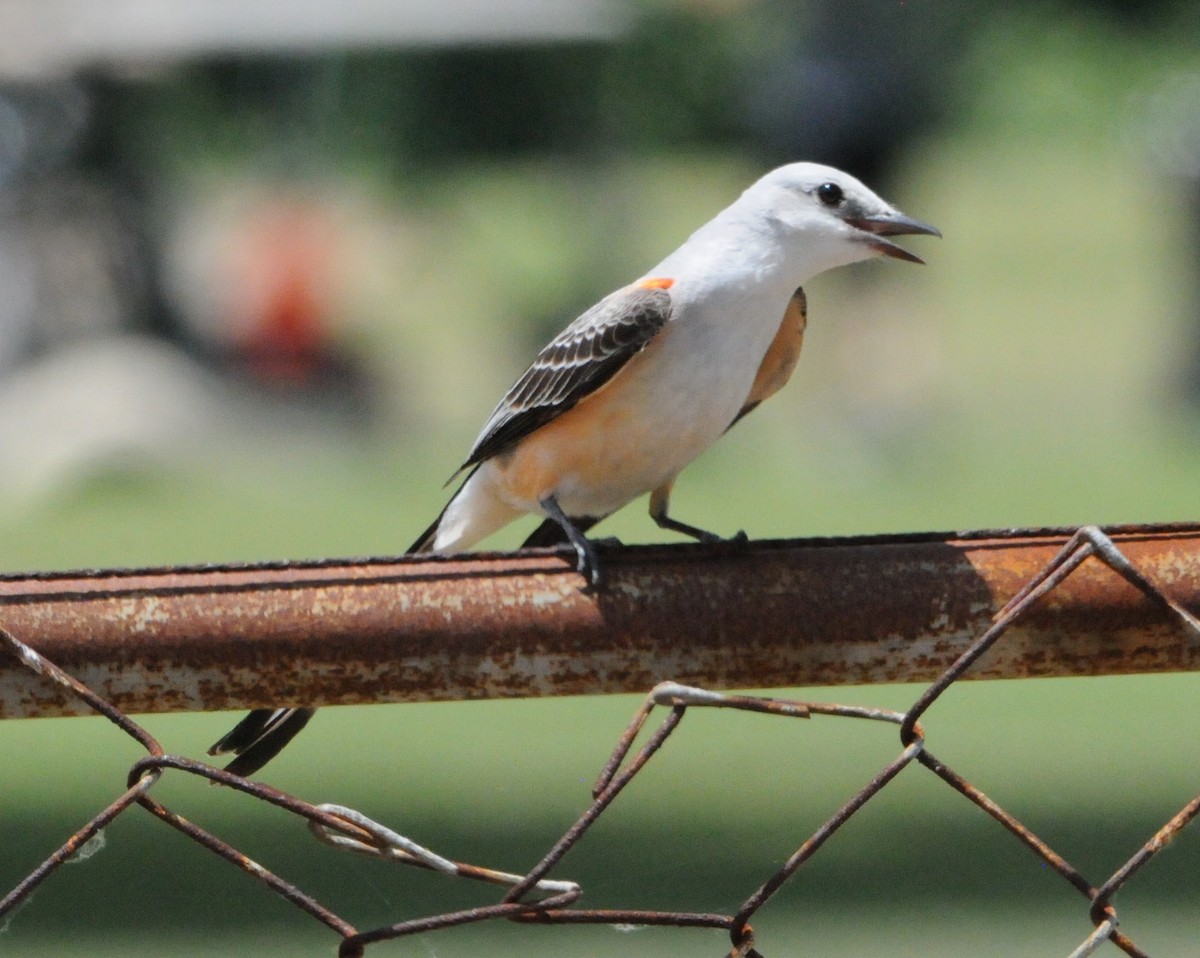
[{"x": 770, "y": 614}]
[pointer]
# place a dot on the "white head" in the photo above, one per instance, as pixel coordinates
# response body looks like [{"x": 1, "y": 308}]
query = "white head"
[{"x": 829, "y": 215}]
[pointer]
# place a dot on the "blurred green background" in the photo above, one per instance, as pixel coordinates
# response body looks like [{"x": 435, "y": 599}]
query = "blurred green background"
[{"x": 264, "y": 293}]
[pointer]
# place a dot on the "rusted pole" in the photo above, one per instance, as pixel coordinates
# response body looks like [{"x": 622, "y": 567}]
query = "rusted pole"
[{"x": 783, "y": 613}]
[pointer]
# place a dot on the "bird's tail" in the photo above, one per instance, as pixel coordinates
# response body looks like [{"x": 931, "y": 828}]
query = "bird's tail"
[
  {"x": 259, "y": 737},
  {"x": 425, "y": 541},
  {"x": 550, "y": 533},
  {"x": 263, "y": 733}
]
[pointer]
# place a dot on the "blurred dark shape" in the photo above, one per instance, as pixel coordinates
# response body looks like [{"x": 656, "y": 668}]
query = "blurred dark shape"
[
  {"x": 1165, "y": 128},
  {"x": 40, "y": 126},
  {"x": 853, "y": 83},
  {"x": 107, "y": 159},
  {"x": 1131, "y": 14},
  {"x": 51, "y": 271}
]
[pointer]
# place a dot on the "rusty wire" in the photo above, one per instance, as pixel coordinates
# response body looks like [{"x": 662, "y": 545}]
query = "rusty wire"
[{"x": 534, "y": 897}]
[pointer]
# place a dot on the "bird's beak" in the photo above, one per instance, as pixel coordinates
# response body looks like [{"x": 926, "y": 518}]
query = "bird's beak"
[{"x": 892, "y": 223}]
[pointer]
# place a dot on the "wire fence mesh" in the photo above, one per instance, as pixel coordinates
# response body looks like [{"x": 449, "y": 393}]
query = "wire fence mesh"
[{"x": 534, "y": 897}]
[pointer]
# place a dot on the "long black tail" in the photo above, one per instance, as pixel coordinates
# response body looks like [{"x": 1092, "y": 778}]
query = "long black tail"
[
  {"x": 260, "y": 736},
  {"x": 263, "y": 733}
]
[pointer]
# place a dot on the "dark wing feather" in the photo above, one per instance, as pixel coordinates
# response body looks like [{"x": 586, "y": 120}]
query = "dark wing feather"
[{"x": 577, "y": 362}]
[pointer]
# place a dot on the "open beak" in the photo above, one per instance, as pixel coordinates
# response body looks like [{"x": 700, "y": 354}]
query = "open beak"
[{"x": 893, "y": 223}]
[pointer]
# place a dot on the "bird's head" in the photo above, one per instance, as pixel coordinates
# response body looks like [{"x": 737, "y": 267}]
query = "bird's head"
[{"x": 831, "y": 215}]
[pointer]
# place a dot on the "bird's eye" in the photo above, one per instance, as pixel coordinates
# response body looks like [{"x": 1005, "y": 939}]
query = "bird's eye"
[{"x": 830, "y": 194}]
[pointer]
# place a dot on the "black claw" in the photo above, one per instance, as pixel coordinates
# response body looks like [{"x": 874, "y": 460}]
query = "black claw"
[
  {"x": 589, "y": 563},
  {"x": 592, "y": 573}
]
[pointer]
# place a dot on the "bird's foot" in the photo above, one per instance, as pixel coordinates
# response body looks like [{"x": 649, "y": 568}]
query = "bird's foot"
[
  {"x": 588, "y": 565},
  {"x": 589, "y": 562},
  {"x": 700, "y": 535}
]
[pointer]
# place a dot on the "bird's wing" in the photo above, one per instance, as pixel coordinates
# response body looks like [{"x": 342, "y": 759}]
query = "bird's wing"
[
  {"x": 780, "y": 359},
  {"x": 577, "y": 362}
]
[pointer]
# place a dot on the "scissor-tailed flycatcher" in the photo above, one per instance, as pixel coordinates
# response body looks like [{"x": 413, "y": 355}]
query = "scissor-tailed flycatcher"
[{"x": 647, "y": 379}]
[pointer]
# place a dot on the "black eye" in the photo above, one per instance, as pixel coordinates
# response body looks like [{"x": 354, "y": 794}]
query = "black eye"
[{"x": 830, "y": 194}]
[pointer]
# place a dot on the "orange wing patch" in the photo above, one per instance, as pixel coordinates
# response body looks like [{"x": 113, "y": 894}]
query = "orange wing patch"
[{"x": 657, "y": 282}]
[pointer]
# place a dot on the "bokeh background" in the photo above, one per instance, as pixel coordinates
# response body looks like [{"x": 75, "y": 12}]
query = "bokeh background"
[{"x": 267, "y": 266}]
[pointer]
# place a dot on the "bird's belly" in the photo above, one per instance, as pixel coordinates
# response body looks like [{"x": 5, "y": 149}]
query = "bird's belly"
[{"x": 622, "y": 442}]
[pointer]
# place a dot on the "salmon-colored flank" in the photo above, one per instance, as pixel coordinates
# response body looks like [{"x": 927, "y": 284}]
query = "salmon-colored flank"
[
  {"x": 595, "y": 443},
  {"x": 577, "y": 443},
  {"x": 657, "y": 282},
  {"x": 781, "y": 356}
]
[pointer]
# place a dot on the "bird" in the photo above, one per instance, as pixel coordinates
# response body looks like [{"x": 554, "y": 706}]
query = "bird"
[{"x": 619, "y": 402}]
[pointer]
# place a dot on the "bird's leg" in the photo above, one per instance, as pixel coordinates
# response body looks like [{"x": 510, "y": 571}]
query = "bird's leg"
[
  {"x": 659, "y": 501},
  {"x": 589, "y": 563}
]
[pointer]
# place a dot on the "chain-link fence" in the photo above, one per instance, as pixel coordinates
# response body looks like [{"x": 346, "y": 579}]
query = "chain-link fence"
[{"x": 1142, "y": 627}]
